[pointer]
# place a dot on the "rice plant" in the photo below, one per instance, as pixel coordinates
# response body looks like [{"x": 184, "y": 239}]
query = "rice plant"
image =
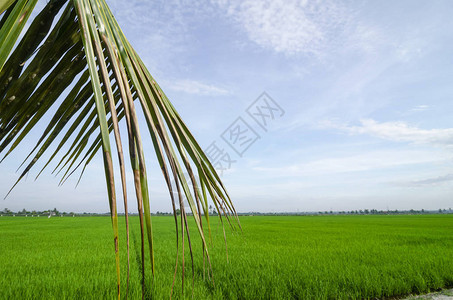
[
  {"x": 276, "y": 257},
  {"x": 74, "y": 57}
]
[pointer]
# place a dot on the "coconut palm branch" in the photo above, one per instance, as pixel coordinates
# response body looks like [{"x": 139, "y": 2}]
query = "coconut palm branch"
[{"x": 74, "y": 60}]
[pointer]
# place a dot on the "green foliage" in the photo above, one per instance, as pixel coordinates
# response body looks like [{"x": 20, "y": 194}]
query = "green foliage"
[
  {"x": 83, "y": 71},
  {"x": 277, "y": 257}
]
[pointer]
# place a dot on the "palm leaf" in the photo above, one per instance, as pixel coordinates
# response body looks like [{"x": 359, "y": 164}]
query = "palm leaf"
[{"x": 84, "y": 69}]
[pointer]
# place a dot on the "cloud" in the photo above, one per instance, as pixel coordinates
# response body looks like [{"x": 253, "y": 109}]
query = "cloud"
[
  {"x": 369, "y": 161},
  {"x": 196, "y": 87},
  {"x": 425, "y": 182},
  {"x": 397, "y": 131},
  {"x": 162, "y": 31},
  {"x": 288, "y": 26},
  {"x": 420, "y": 108},
  {"x": 314, "y": 28}
]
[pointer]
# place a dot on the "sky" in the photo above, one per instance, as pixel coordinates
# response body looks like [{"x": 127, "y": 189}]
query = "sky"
[{"x": 346, "y": 105}]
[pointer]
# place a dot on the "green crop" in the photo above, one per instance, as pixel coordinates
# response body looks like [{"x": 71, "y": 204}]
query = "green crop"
[{"x": 281, "y": 257}]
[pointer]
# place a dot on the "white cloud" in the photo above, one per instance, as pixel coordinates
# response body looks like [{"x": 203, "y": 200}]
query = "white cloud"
[
  {"x": 288, "y": 26},
  {"x": 369, "y": 161},
  {"x": 397, "y": 131},
  {"x": 425, "y": 182},
  {"x": 162, "y": 31},
  {"x": 420, "y": 108},
  {"x": 196, "y": 87}
]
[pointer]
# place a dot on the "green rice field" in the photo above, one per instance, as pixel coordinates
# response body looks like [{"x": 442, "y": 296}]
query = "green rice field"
[{"x": 275, "y": 257}]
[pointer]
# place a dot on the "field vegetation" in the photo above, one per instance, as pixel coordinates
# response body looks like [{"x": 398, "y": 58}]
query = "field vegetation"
[{"x": 276, "y": 257}]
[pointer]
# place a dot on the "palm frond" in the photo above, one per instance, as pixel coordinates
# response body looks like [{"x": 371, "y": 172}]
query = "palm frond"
[{"x": 85, "y": 70}]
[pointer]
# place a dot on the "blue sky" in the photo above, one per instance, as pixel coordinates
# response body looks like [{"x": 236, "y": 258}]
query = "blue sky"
[{"x": 365, "y": 86}]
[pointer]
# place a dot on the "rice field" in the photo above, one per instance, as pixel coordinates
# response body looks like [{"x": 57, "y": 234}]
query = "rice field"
[{"x": 275, "y": 257}]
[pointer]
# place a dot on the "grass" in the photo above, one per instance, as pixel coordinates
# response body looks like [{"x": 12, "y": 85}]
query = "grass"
[{"x": 281, "y": 257}]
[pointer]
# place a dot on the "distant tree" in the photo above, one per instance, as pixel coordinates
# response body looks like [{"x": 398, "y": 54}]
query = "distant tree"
[{"x": 178, "y": 212}]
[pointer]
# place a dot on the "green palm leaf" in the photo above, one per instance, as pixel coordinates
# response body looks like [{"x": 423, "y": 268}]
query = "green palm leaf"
[{"x": 85, "y": 67}]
